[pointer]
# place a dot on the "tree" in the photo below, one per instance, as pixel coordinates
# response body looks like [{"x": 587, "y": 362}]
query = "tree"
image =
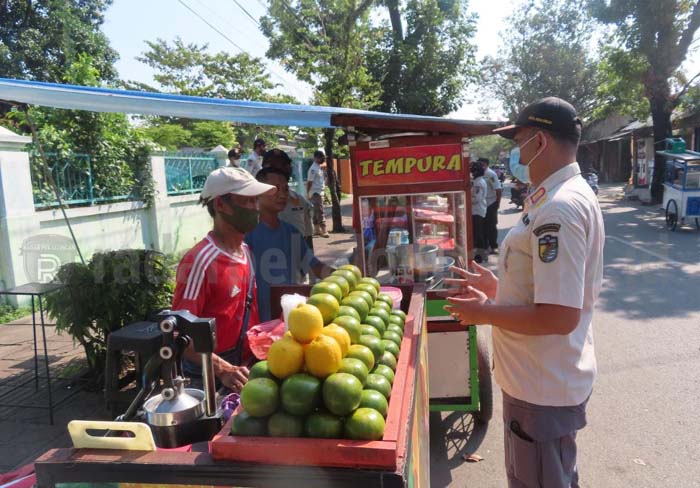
[
  {"x": 423, "y": 68},
  {"x": 323, "y": 43},
  {"x": 41, "y": 38},
  {"x": 656, "y": 35},
  {"x": 490, "y": 147},
  {"x": 191, "y": 69},
  {"x": 119, "y": 155},
  {"x": 547, "y": 53}
]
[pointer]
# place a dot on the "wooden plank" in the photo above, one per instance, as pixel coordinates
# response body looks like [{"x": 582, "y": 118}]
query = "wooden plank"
[{"x": 74, "y": 466}]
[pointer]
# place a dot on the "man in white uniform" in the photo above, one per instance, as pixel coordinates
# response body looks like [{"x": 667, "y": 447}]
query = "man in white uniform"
[
  {"x": 493, "y": 201},
  {"x": 315, "y": 189},
  {"x": 254, "y": 161},
  {"x": 550, "y": 273}
]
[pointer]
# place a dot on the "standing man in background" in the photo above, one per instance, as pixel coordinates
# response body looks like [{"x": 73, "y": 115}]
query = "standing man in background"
[
  {"x": 315, "y": 189},
  {"x": 494, "y": 191},
  {"x": 254, "y": 163}
]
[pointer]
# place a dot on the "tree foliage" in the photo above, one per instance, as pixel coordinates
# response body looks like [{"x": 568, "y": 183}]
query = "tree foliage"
[
  {"x": 656, "y": 36},
  {"x": 547, "y": 53},
  {"x": 323, "y": 42},
  {"x": 191, "y": 69},
  {"x": 423, "y": 67},
  {"x": 40, "y": 38},
  {"x": 121, "y": 158}
]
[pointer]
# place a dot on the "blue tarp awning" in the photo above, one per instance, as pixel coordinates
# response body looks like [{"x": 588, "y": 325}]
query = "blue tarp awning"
[{"x": 96, "y": 99}]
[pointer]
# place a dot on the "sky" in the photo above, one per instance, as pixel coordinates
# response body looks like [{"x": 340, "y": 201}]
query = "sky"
[{"x": 129, "y": 23}]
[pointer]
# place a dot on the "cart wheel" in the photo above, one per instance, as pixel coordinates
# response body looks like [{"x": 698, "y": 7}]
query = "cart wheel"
[
  {"x": 671, "y": 215},
  {"x": 485, "y": 411}
]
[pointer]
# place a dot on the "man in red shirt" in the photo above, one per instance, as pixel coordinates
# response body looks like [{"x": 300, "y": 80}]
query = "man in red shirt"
[{"x": 215, "y": 278}]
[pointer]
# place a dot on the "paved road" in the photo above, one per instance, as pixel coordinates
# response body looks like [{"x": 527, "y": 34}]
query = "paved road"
[{"x": 644, "y": 425}]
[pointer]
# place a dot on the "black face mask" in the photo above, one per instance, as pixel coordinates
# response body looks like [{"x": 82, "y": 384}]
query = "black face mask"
[{"x": 243, "y": 219}]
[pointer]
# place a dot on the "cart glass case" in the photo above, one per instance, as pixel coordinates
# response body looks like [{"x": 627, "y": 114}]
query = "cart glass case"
[
  {"x": 411, "y": 205},
  {"x": 411, "y": 238}
]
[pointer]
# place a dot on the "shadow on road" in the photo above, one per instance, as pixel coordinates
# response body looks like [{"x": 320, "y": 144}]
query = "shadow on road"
[
  {"x": 646, "y": 260},
  {"x": 452, "y": 437}
]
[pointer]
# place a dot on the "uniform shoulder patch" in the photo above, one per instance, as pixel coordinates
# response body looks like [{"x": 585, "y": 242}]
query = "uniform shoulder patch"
[
  {"x": 545, "y": 228},
  {"x": 548, "y": 248}
]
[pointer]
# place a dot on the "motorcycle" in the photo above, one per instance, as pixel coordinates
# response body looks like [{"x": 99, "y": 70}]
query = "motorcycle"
[
  {"x": 518, "y": 192},
  {"x": 592, "y": 180}
]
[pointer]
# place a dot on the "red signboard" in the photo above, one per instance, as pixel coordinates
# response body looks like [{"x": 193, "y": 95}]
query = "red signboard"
[{"x": 409, "y": 165}]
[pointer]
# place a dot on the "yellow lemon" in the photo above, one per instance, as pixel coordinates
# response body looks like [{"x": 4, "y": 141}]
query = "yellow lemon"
[
  {"x": 305, "y": 322},
  {"x": 323, "y": 356},
  {"x": 340, "y": 335},
  {"x": 285, "y": 357}
]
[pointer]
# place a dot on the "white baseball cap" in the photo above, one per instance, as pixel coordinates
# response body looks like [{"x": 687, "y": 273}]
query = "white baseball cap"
[{"x": 233, "y": 180}]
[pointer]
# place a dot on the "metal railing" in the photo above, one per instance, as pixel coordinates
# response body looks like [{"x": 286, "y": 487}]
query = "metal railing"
[
  {"x": 186, "y": 173},
  {"x": 74, "y": 177}
]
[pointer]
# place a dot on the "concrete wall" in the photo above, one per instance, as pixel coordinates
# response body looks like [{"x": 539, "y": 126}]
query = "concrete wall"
[{"x": 33, "y": 244}]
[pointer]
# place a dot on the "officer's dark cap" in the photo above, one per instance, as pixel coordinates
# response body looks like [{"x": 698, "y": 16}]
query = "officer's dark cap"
[{"x": 552, "y": 114}]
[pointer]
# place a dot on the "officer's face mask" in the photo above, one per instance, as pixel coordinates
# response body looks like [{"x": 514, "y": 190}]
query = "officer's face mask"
[{"x": 519, "y": 170}]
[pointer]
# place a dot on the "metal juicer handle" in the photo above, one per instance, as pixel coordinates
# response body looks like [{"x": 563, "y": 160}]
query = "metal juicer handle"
[{"x": 208, "y": 381}]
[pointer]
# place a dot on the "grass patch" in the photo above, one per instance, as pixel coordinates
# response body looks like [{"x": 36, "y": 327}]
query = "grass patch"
[{"x": 8, "y": 313}]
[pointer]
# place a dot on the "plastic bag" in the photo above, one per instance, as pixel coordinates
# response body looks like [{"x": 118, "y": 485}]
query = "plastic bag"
[
  {"x": 261, "y": 337},
  {"x": 288, "y": 303}
]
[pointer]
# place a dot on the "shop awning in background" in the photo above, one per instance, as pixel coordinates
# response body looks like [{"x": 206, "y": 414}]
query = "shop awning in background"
[{"x": 261, "y": 113}]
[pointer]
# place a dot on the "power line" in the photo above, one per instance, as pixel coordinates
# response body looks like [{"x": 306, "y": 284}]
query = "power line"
[
  {"x": 247, "y": 13},
  {"x": 218, "y": 31}
]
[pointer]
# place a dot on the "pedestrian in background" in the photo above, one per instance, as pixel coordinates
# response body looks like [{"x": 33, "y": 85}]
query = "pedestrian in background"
[
  {"x": 494, "y": 191},
  {"x": 234, "y": 157},
  {"x": 315, "y": 189},
  {"x": 541, "y": 305},
  {"x": 254, "y": 162},
  {"x": 478, "y": 191}
]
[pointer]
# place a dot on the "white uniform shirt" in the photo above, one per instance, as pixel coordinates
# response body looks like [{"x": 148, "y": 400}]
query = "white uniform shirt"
[
  {"x": 554, "y": 255},
  {"x": 254, "y": 163},
  {"x": 479, "y": 196},
  {"x": 298, "y": 213},
  {"x": 492, "y": 184},
  {"x": 317, "y": 179}
]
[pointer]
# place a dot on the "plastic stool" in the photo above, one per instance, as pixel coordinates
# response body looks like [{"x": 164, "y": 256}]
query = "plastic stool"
[{"x": 143, "y": 339}]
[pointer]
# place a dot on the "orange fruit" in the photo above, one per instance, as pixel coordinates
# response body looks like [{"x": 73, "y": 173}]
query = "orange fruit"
[
  {"x": 300, "y": 394},
  {"x": 283, "y": 424},
  {"x": 363, "y": 353},
  {"x": 342, "y": 393},
  {"x": 341, "y": 282},
  {"x": 374, "y": 399},
  {"x": 245, "y": 424},
  {"x": 354, "y": 367},
  {"x": 379, "y": 383},
  {"x": 260, "y": 397},
  {"x": 328, "y": 287},
  {"x": 285, "y": 357},
  {"x": 375, "y": 345},
  {"x": 358, "y": 303},
  {"x": 365, "y": 424},
  {"x": 326, "y": 304},
  {"x": 340, "y": 335},
  {"x": 324, "y": 425},
  {"x": 356, "y": 271},
  {"x": 350, "y": 324},
  {"x": 348, "y": 275},
  {"x": 323, "y": 356},
  {"x": 305, "y": 322},
  {"x": 385, "y": 371}
]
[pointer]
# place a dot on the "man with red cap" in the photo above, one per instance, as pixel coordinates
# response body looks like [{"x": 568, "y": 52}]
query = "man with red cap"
[{"x": 541, "y": 305}]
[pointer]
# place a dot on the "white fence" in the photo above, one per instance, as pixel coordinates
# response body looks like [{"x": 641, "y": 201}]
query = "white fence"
[{"x": 33, "y": 244}]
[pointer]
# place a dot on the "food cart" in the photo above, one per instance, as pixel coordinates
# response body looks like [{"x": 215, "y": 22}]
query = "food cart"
[
  {"x": 411, "y": 170},
  {"x": 681, "y": 184}
]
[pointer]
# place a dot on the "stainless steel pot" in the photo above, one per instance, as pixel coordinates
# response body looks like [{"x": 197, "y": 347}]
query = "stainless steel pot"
[{"x": 417, "y": 257}]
